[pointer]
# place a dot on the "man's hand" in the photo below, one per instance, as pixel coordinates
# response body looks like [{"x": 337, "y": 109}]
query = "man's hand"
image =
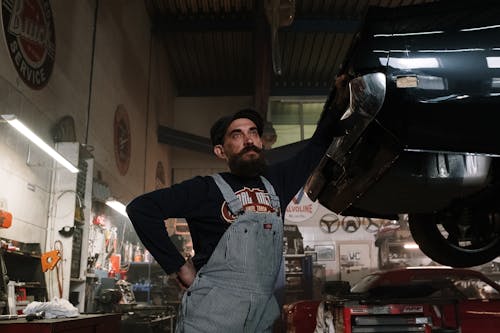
[
  {"x": 342, "y": 95},
  {"x": 186, "y": 274}
]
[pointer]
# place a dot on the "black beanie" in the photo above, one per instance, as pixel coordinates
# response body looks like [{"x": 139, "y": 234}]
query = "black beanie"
[{"x": 219, "y": 128}]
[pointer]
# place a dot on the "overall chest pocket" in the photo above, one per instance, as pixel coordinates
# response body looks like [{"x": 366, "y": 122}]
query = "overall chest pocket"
[
  {"x": 267, "y": 245},
  {"x": 254, "y": 245},
  {"x": 237, "y": 246}
]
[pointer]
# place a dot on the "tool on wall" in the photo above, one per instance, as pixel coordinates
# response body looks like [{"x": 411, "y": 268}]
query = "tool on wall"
[
  {"x": 50, "y": 260},
  {"x": 5, "y": 219},
  {"x": 58, "y": 246},
  {"x": 67, "y": 231}
]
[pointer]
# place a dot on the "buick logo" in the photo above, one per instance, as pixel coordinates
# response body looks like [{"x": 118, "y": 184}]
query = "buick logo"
[{"x": 29, "y": 33}]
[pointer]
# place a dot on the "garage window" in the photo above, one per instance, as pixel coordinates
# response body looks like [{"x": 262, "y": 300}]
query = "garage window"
[{"x": 294, "y": 120}]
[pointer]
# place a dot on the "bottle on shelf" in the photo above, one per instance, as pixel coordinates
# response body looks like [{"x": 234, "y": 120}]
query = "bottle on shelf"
[{"x": 138, "y": 254}]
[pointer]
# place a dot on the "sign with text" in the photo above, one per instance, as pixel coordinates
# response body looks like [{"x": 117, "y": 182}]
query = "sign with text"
[
  {"x": 28, "y": 28},
  {"x": 300, "y": 208}
]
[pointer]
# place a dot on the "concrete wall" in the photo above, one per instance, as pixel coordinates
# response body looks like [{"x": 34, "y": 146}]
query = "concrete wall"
[
  {"x": 121, "y": 77},
  {"x": 125, "y": 66},
  {"x": 25, "y": 188},
  {"x": 128, "y": 67}
]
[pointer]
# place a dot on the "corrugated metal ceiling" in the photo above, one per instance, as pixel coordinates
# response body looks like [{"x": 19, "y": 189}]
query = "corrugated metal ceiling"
[{"x": 218, "y": 47}]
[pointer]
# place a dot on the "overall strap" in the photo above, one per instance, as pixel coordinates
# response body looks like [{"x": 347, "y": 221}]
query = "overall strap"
[
  {"x": 234, "y": 204},
  {"x": 275, "y": 201}
]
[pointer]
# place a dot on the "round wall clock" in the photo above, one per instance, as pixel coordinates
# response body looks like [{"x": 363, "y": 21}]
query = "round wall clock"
[{"x": 122, "y": 139}]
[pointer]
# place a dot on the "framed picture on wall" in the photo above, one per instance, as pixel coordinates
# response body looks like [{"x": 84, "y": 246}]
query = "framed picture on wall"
[{"x": 325, "y": 252}]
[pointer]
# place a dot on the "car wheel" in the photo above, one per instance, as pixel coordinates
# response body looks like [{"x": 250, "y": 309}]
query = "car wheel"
[{"x": 451, "y": 240}]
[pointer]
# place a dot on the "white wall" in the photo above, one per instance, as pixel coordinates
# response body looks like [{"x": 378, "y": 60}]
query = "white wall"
[
  {"x": 25, "y": 189},
  {"x": 314, "y": 236},
  {"x": 129, "y": 68},
  {"x": 121, "y": 76}
]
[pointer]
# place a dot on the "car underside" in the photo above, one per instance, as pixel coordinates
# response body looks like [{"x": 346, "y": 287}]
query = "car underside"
[{"x": 420, "y": 129}]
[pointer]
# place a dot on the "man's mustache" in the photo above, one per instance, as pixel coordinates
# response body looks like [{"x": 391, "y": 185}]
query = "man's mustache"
[{"x": 248, "y": 149}]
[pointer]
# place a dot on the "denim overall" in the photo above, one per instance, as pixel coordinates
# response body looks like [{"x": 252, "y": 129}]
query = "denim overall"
[{"x": 233, "y": 292}]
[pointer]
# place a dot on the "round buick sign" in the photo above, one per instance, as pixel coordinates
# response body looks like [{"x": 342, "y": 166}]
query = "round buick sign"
[{"x": 29, "y": 33}]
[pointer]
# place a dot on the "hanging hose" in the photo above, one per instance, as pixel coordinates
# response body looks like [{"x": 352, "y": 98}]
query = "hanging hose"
[{"x": 60, "y": 275}]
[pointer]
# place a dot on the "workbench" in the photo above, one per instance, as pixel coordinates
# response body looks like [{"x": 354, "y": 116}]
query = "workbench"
[{"x": 85, "y": 323}]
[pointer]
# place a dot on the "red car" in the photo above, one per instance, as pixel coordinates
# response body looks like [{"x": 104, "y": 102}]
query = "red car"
[{"x": 430, "y": 299}]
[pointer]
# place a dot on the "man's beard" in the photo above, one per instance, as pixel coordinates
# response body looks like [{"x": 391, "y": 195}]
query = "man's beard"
[{"x": 247, "y": 167}]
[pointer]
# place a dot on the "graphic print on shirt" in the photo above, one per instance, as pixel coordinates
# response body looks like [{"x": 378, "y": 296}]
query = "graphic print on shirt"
[{"x": 252, "y": 199}]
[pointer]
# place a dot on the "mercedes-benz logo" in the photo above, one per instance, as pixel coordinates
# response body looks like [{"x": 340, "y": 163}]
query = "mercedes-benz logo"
[{"x": 329, "y": 223}]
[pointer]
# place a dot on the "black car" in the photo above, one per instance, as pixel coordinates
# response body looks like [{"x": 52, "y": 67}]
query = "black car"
[{"x": 421, "y": 130}]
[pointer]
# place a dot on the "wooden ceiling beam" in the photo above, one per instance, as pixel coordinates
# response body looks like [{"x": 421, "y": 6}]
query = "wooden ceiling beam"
[
  {"x": 203, "y": 24},
  {"x": 250, "y": 24}
]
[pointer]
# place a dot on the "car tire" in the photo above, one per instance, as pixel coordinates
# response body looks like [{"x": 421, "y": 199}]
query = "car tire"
[{"x": 426, "y": 233}]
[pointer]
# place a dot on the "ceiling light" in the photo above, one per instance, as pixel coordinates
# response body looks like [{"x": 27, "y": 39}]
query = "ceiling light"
[
  {"x": 117, "y": 205},
  {"x": 410, "y": 63},
  {"x": 14, "y": 122},
  {"x": 482, "y": 28},
  {"x": 409, "y": 34},
  {"x": 493, "y": 62},
  {"x": 411, "y": 246}
]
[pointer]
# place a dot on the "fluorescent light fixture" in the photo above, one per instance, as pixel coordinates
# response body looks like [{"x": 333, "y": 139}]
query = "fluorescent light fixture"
[
  {"x": 431, "y": 267},
  {"x": 411, "y": 246},
  {"x": 14, "y": 122},
  {"x": 117, "y": 205},
  {"x": 452, "y": 50},
  {"x": 493, "y": 62},
  {"x": 410, "y": 63},
  {"x": 482, "y": 28},
  {"x": 431, "y": 82},
  {"x": 409, "y": 34}
]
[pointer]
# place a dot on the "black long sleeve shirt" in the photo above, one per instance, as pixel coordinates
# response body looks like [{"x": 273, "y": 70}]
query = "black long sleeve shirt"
[{"x": 201, "y": 203}]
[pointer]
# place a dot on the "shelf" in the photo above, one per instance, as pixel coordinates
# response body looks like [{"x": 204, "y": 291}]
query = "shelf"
[
  {"x": 295, "y": 291},
  {"x": 298, "y": 279},
  {"x": 76, "y": 280},
  {"x": 32, "y": 286},
  {"x": 25, "y": 254}
]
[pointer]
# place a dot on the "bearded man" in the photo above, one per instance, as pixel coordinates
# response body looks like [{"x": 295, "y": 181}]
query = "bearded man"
[{"x": 236, "y": 223}]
